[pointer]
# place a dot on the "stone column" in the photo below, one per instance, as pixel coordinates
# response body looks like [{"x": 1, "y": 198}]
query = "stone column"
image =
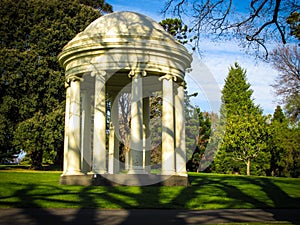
[
  {"x": 99, "y": 147},
  {"x": 136, "y": 128},
  {"x": 127, "y": 161},
  {"x": 168, "y": 148},
  {"x": 180, "y": 131},
  {"x": 73, "y": 156},
  {"x": 146, "y": 135},
  {"x": 67, "y": 132},
  {"x": 86, "y": 154},
  {"x": 113, "y": 152}
]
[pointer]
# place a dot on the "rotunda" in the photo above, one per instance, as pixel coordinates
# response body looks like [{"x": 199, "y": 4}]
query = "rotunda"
[{"x": 123, "y": 52}]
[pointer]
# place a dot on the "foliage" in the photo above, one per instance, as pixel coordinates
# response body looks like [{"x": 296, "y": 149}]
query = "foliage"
[
  {"x": 191, "y": 125},
  {"x": 100, "y": 5},
  {"x": 291, "y": 156},
  {"x": 246, "y": 136},
  {"x": 32, "y": 34},
  {"x": 278, "y": 115},
  {"x": 262, "y": 22},
  {"x": 236, "y": 93},
  {"x": 294, "y": 21},
  {"x": 287, "y": 85},
  {"x": 41, "y": 137},
  {"x": 245, "y": 130},
  {"x": 194, "y": 163},
  {"x": 156, "y": 102},
  {"x": 176, "y": 28},
  {"x": 284, "y": 146},
  {"x": 278, "y": 127}
]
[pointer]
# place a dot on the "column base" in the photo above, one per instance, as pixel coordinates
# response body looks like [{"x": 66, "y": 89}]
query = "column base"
[
  {"x": 98, "y": 172},
  {"x": 137, "y": 171},
  {"x": 168, "y": 172},
  {"x": 82, "y": 180},
  {"x": 183, "y": 174},
  {"x": 124, "y": 180},
  {"x": 70, "y": 173}
]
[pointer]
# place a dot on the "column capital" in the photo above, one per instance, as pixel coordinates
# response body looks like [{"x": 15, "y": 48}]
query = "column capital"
[
  {"x": 98, "y": 73},
  {"x": 72, "y": 78},
  {"x": 188, "y": 70},
  {"x": 182, "y": 84},
  {"x": 168, "y": 77},
  {"x": 67, "y": 84},
  {"x": 136, "y": 73}
]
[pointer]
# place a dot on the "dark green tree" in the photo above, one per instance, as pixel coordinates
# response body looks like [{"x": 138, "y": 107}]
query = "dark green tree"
[
  {"x": 294, "y": 21},
  {"x": 176, "y": 28},
  {"x": 204, "y": 133},
  {"x": 191, "y": 124},
  {"x": 291, "y": 157},
  {"x": 32, "y": 34},
  {"x": 236, "y": 93},
  {"x": 245, "y": 130},
  {"x": 284, "y": 146},
  {"x": 40, "y": 136},
  {"x": 278, "y": 115},
  {"x": 278, "y": 127}
]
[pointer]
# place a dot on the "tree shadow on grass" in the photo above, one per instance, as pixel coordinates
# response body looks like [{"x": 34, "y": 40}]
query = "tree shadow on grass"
[
  {"x": 258, "y": 191},
  {"x": 227, "y": 192},
  {"x": 147, "y": 205},
  {"x": 236, "y": 196}
]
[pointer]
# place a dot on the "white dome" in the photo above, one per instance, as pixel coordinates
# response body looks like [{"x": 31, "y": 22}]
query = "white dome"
[
  {"x": 127, "y": 23},
  {"x": 122, "y": 39}
]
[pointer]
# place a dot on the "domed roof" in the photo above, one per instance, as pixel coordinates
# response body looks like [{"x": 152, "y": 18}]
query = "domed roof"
[
  {"x": 121, "y": 40},
  {"x": 127, "y": 23},
  {"x": 120, "y": 27}
]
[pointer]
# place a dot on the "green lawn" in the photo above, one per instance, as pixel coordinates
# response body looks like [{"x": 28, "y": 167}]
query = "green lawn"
[{"x": 208, "y": 191}]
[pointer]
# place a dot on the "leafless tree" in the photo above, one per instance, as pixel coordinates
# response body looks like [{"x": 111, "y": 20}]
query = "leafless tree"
[
  {"x": 124, "y": 122},
  {"x": 286, "y": 60},
  {"x": 262, "y": 22}
]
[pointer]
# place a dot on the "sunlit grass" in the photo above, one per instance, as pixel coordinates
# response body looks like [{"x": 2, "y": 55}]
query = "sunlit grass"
[{"x": 207, "y": 191}]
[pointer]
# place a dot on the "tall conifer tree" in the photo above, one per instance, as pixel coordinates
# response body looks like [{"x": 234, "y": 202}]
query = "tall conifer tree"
[{"x": 245, "y": 130}]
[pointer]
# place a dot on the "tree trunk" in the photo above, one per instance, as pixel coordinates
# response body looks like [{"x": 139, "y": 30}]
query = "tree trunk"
[
  {"x": 248, "y": 167},
  {"x": 36, "y": 158}
]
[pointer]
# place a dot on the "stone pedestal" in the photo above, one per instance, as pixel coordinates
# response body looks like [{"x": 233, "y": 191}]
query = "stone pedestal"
[{"x": 125, "y": 180}]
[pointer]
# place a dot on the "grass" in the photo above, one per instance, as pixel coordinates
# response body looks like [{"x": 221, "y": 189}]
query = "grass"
[{"x": 23, "y": 189}]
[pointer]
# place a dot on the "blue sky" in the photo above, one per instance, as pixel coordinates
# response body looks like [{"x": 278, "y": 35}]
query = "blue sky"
[{"x": 215, "y": 61}]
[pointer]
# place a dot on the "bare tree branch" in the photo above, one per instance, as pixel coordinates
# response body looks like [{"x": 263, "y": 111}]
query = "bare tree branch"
[
  {"x": 287, "y": 86},
  {"x": 218, "y": 18}
]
